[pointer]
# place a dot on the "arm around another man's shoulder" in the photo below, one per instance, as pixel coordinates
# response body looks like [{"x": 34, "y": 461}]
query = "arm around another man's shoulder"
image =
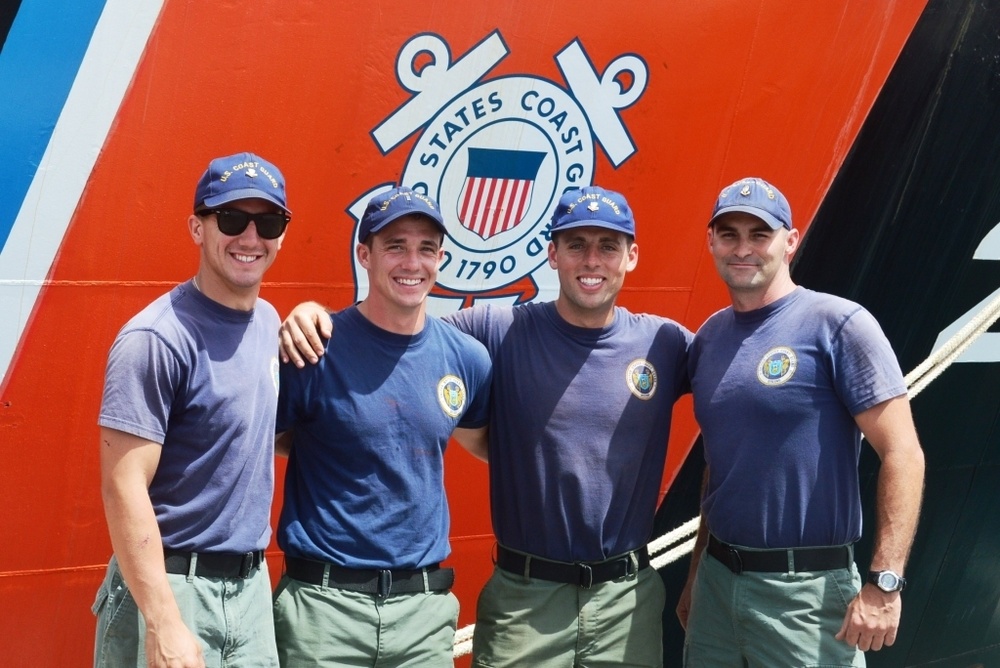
[{"x": 303, "y": 334}]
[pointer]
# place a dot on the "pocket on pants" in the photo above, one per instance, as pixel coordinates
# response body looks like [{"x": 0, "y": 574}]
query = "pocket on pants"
[
  {"x": 99, "y": 600},
  {"x": 112, "y": 593},
  {"x": 117, "y": 638}
]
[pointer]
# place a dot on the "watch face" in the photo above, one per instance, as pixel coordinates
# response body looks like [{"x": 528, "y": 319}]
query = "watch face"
[{"x": 888, "y": 581}]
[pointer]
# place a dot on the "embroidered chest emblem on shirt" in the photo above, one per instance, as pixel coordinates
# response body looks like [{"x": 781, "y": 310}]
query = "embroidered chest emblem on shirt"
[
  {"x": 451, "y": 395},
  {"x": 641, "y": 379},
  {"x": 777, "y": 366}
]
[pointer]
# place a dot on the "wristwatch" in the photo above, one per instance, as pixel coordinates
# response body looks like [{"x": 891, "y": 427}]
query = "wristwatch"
[{"x": 887, "y": 581}]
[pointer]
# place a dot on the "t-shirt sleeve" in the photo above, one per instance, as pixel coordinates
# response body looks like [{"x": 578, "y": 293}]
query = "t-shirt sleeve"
[
  {"x": 143, "y": 380},
  {"x": 295, "y": 387},
  {"x": 866, "y": 371},
  {"x": 481, "y": 381},
  {"x": 466, "y": 321},
  {"x": 289, "y": 395},
  {"x": 684, "y": 343},
  {"x": 487, "y": 323}
]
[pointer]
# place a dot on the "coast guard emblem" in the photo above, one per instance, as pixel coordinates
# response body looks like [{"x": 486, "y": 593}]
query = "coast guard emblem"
[
  {"x": 451, "y": 395},
  {"x": 641, "y": 379},
  {"x": 777, "y": 366},
  {"x": 497, "y": 154}
]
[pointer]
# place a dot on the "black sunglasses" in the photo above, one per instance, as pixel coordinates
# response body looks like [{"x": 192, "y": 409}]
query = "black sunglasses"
[{"x": 232, "y": 222}]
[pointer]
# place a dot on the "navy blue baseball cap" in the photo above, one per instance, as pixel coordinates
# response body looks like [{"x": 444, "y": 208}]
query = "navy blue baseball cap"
[
  {"x": 394, "y": 204},
  {"x": 240, "y": 176},
  {"x": 593, "y": 206},
  {"x": 756, "y": 197}
]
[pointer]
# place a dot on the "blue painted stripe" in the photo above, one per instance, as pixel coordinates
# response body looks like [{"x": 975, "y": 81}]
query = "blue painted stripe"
[{"x": 38, "y": 64}]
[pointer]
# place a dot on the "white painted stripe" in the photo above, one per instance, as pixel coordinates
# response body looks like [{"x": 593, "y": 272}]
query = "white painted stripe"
[
  {"x": 100, "y": 85},
  {"x": 508, "y": 211},
  {"x": 478, "y": 215},
  {"x": 494, "y": 221},
  {"x": 523, "y": 191},
  {"x": 468, "y": 215},
  {"x": 492, "y": 205},
  {"x": 515, "y": 204}
]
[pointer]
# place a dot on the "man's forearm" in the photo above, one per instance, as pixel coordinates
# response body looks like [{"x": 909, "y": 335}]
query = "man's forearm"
[
  {"x": 900, "y": 491},
  {"x": 138, "y": 547}
]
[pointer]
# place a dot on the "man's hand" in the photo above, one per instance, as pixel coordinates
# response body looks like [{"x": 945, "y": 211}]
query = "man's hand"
[
  {"x": 872, "y": 619},
  {"x": 303, "y": 334},
  {"x": 684, "y": 604},
  {"x": 172, "y": 645}
]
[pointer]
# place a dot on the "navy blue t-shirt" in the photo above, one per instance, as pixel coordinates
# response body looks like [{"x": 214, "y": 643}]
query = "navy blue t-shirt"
[
  {"x": 775, "y": 393},
  {"x": 579, "y": 427},
  {"x": 202, "y": 379},
  {"x": 370, "y": 422}
]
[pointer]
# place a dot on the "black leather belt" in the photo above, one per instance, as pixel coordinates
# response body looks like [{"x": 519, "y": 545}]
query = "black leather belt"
[
  {"x": 214, "y": 564},
  {"x": 381, "y": 583},
  {"x": 583, "y": 574},
  {"x": 781, "y": 561}
]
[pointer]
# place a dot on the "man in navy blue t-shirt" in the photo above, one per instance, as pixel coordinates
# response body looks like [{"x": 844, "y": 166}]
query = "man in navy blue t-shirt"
[
  {"x": 365, "y": 519},
  {"x": 785, "y": 381}
]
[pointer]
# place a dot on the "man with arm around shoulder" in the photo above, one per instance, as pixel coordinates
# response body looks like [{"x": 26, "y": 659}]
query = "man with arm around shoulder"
[{"x": 365, "y": 519}]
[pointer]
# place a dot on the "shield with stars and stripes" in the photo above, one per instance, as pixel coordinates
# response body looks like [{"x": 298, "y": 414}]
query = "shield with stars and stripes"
[{"x": 497, "y": 189}]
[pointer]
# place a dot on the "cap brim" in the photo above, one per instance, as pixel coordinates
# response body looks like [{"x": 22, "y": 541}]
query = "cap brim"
[
  {"x": 772, "y": 222},
  {"x": 401, "y": 214},
  {"x": 244, "y": 193},
  {"x": 596, "y": 222}
]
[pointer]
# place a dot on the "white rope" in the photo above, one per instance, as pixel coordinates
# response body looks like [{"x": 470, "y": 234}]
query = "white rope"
[
  {"x": 916, "y": 381},
  {"x": 463, "y": 640},
  {"x": 952, "y": 349},
  {"x": 673, "y": 555},
  {"x": 671, "y": 537},
  {"x": 464, "y": 634}
]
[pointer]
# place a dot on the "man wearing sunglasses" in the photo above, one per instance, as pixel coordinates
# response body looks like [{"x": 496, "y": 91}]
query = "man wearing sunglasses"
[{"x": 187, "y": 444}]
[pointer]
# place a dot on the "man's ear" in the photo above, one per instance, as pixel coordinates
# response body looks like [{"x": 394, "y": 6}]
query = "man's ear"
[
  {"x": 633, "y": 257},
  {"x": 363, "y": 253},
  {"x": 792, "y": 242},
  {"x": 196, "y": 227}
]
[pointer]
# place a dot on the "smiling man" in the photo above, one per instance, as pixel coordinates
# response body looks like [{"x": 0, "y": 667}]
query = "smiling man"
[
  {"x": 187, "y": 444},
  {"x": 785, "y": 382},
  {"x": 582, "y": 399},
  {"x": 583, "y": 392},
  {"x": 365, "y": 520}
]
